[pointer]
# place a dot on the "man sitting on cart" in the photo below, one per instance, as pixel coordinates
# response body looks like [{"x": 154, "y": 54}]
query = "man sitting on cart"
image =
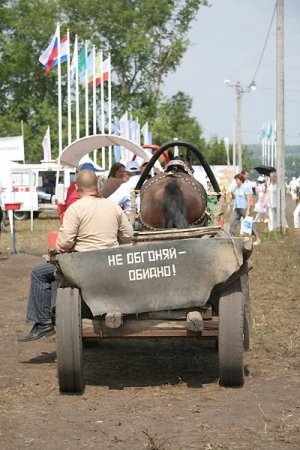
[{"x": 90, "y": 223}]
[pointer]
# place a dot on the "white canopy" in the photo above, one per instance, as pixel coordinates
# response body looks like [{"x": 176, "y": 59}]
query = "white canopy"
[{"x": 73, "y": 153}]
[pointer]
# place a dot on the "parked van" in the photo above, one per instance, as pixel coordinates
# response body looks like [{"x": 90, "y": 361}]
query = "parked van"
[{"x": 34, "y": 186}]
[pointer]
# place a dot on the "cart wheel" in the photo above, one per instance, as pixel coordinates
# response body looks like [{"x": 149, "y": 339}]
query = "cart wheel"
[
  {"x": 231, "y": 315},
  {"x": 69, "y": 340},
  {"x": 247, "y": 314}
]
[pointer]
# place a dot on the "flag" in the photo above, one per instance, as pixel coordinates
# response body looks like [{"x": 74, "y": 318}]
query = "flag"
[
  {"x": 99, "y": 72},
  {"x": 134, "y": 130},
  {"x": 74, "y": 62},
  {"x": 124, "y": 125},
  {"x": 49, "y": 57},
  {"x": 46, "y": 143},
  {"x": 105, "y": 70},
  {"x": 64, "y": 52},
  {"x": 145, "y": 133},
  {"x": 81, "y": 64},
  {"x": 89, "y": 66},
  {"x": 86, "y": 66},
  {"x": 117, "y": 151},
  {"x": 263, "y": 133}
]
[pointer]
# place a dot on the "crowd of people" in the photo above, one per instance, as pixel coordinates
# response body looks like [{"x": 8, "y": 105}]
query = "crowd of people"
[{"x": 265, "y": 207}]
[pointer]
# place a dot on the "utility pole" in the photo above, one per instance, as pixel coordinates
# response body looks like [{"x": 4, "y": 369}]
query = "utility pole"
[
  {"x": 280, "y": 129},
  {"x": 240, "y": 90}
]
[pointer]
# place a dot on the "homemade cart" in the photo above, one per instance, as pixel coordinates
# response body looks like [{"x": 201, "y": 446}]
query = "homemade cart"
[{"x": 167, "y": 283}]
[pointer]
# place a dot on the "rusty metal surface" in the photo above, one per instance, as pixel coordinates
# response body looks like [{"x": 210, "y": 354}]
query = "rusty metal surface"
[{"x": 152, "y": 276}]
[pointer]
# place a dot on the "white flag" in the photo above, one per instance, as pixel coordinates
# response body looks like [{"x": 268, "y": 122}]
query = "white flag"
[
  {"x": 47, "y": 146},
  {"x": 145, "y": 133}
]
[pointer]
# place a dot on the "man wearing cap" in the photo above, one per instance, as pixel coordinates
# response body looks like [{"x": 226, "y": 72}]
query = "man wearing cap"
[
  {"x": 90, "y": 223},
  {"x": 122, "y": 196}
]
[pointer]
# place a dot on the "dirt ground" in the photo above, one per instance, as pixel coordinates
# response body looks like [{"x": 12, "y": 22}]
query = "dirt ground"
[{"x": 155, "y": 394}]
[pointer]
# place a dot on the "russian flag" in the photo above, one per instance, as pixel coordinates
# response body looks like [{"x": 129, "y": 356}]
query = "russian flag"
[{"x": 49, "y": 57}]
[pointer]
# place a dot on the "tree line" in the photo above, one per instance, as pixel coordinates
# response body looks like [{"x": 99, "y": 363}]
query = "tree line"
[{"x": 146, "y": 39}]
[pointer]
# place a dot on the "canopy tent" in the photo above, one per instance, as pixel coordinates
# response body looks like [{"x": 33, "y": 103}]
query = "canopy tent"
[{"x": 74, "y": 152}]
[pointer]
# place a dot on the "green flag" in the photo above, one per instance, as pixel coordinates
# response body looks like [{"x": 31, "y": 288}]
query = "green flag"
[{"x": 81, "y": 63}]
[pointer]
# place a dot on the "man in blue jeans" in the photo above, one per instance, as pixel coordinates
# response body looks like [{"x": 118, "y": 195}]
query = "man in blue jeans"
[{"x": 90, "y": 223}]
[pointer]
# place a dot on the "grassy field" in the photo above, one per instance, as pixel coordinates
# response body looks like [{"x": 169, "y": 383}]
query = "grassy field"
[{"x": 33, "y": 242}]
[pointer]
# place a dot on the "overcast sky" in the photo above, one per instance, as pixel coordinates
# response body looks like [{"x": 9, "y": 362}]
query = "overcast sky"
[{"x": 227, "y": 42}]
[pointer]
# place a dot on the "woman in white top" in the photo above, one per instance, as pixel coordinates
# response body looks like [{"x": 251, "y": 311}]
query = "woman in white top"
[
  {"x": 272, "y": 201},
  {"x": 260, "y": 206}
]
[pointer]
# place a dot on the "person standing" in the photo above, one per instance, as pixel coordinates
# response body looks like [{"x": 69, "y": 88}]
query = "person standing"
[
  {"x": 242, "y": 205},
  {"x": 272, "y": 201},
  {"x": 90, "y": 223},
  {"x": 260, "y": 206},
  {"x": 248, "y": 182},
  {"x": 293, "y": 188},
  {"x": 296, "y": 215}
]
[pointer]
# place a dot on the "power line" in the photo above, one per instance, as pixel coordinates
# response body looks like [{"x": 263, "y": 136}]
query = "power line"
[{"x": 266, "y": 41}]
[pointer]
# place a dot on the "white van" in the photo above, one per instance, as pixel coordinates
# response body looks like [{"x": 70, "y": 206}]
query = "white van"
[{"x": 34, "y": 186}]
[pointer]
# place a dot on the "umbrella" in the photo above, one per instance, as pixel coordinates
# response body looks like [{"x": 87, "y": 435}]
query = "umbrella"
[{"x": 265, "y": 170}]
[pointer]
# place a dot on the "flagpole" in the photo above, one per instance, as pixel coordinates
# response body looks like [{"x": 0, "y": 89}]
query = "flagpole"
[
  {"x": 77, "y": 87},
  {"x": 234, "y": 146},
  {"x": 59, "y": 93},
  {"x": 109, "y": 110},
  {"x": 69, "y": 91},
  {"x": 22, "y": 133},
  {"x": 268, "y": 144},
  {"x": 94, "y": 100},
  {"x": 86, "y": 94},
  {"x": 102, "y": 108}
]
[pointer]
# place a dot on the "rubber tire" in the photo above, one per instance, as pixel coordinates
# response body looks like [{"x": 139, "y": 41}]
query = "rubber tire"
[
  {"x": 231, "y": 320},
  {"x": 69, "y": 341},
  {"x": 21, "y": 215}
]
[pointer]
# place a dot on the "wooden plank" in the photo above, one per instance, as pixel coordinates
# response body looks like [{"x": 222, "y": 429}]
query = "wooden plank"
[
  {"x": 90, "y": 334},
  {"x": 150, "y": 328},
  {"x": 140, "y": 236}
]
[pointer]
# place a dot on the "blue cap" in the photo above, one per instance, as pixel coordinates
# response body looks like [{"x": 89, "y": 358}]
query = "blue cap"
[{"x": 88, "y": 166}]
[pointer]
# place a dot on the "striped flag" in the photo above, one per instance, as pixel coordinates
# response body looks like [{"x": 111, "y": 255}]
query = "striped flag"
[{"x": 49, "y": 57}]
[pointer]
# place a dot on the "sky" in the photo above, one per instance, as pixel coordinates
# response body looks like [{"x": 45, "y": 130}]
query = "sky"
[{"x": 227, "y": 41}]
